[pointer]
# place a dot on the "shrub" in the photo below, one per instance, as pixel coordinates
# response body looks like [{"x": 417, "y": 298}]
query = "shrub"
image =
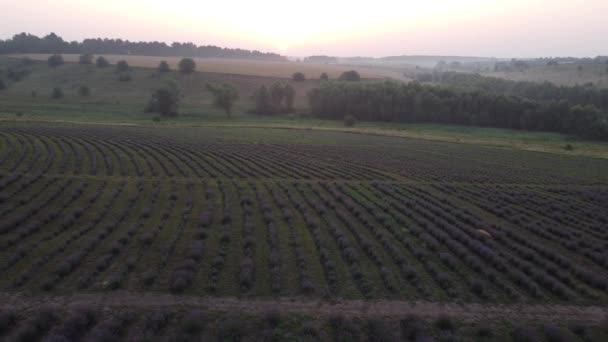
[
  {"x": 351, "y": 75},
  {"x": 85, "y": 59},
  {"x": 34, "y": 94},
  {"x": 163, "y": 66},
  {"x": 444, "y": 323},
  {"x": 349, "y": 121},
  {"x": 84, "y": 91},
  {"x": 55, "y": 60},
  {"x": 8, "y": 319},
  {"x": 2, "y": 84},
  {"x": 57, "y": 93},
  {"x": 102, "y": 62},
  {"x": 525, "y": 334},
  {"x": 298, "y": 76},
  {"x": 125, "y": 77},
  {"x": 412, "y": 328},
  {"x": 554, "y": 334},
  {"x": 194, "y": 322},
  {"x": 187, "y": 66},
  {"x": 484, "y": 331},
  {"x": 477, "y": 287},
  {"x": 224, "y": 96},
  {"x": 156, "y": 322},
  {"x": 27, "y": 61},
  {"x": 231, "y": 328},
  {"x": 324, "y": 77},
  {"x": 163, "y": 101},
  {"x": 122, "y": 66}
]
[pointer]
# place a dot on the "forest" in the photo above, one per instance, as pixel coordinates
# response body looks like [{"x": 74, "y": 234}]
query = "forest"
[
  {"x": 398, "y": 102},
  {"x": 52, "y": 43}
]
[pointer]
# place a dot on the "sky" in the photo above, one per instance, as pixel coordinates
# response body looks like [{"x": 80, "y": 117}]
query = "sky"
[{"x": 490, "y": 28}]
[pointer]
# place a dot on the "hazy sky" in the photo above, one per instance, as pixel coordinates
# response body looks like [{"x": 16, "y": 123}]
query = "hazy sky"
[{"x": 505, "y": 28}]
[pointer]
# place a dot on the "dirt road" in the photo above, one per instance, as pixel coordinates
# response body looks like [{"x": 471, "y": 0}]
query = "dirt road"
[{"x": 316, "y": 307}]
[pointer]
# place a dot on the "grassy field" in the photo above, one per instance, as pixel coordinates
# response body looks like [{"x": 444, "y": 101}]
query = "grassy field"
[
  {"x": 247, "y": 67},
  {"x": 114, "y": 102}
]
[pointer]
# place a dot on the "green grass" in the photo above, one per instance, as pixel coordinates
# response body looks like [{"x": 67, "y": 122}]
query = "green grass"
[{"x": 115, "y": 102}]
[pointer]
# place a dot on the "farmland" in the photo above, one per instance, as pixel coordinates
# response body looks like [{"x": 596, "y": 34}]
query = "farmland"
[
  {"x": 256, "y": 213},
  {"x": 245, "y": 67}
]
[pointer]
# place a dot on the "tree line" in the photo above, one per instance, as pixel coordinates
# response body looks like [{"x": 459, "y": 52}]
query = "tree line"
[
  {"x": 52, "y": 43},
  {"x": 544, "y": 92},
  {"x": 417, "y": 103}
]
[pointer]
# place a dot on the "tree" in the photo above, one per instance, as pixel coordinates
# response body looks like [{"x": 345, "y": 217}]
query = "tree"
[
  {"x": 298, "y": 77},
  {"x": 349, "y": 121},
  {"x": 262, "y": 100},
  {"x": 57, "y": 93},
  {"x": 277, "y": 94},
  {"x": 102, "y": 62},
  {"x": 164, "y": 66},
  {"x": 164, "y": 101},
  {"x": 324, "y": 77},
  {"x": 55, "y": 60},
  {"x": 85, "y": 59},
  {"x": 224, "y": 96},
  {"x": 187, "y": 66},
  {"x": 122, "y": 66},
  {"x": 351, "y": 75},
  {"x": 84, "y": 91},
  {"x": 290, "y": 95}
]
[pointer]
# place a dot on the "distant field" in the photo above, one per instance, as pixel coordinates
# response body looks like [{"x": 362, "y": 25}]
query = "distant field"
[
  {"x": 242, "y": 66},
  {"x": 563, "y": 74}
]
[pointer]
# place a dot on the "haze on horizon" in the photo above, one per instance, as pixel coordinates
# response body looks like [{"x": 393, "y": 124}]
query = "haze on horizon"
[{"x": 514, "y": 28}]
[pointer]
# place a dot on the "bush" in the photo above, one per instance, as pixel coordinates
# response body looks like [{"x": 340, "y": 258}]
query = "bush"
[
  {"x": 324, "y": 77},
  {"x": 8, "y": 320},
  {"x": 525, "y": 334},
  {"x": 224, "y": 96},
  {"x": 55, "y": 60},
  {"x": 84, "y": 91},
  {"x": 444, "y": 323},
  {"x": 122, "y": 66},
  {"x": 164, "y": 66},
  {"x": 349, "y": 121},
  {"x": 57, "y": 93},
  {"x": 298, "y": 77},
  {"x": 163, "y": 101},
  {"x": 85, "y": 59},
  {"x": 187, "y": 66},
  {"x": 194, "y": 321},
  {"x": 101, "y": 62},
  {"x": 27, "y": 61},
  {"x": 2, "y": 84},
  {"x": 125, "y": 77},
  {"x": 351, "y": 75}
]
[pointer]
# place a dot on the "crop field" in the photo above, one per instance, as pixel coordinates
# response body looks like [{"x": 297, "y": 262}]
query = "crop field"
[
  {"x": 268, "y": 214},
  {"x": 249, "y": 67}
]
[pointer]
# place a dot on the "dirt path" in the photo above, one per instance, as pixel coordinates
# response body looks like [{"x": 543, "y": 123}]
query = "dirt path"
[{"x": 465, "y": 312}]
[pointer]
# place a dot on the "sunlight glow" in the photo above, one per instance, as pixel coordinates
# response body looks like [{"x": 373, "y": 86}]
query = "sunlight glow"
[{"x": 339, "y": 27}]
